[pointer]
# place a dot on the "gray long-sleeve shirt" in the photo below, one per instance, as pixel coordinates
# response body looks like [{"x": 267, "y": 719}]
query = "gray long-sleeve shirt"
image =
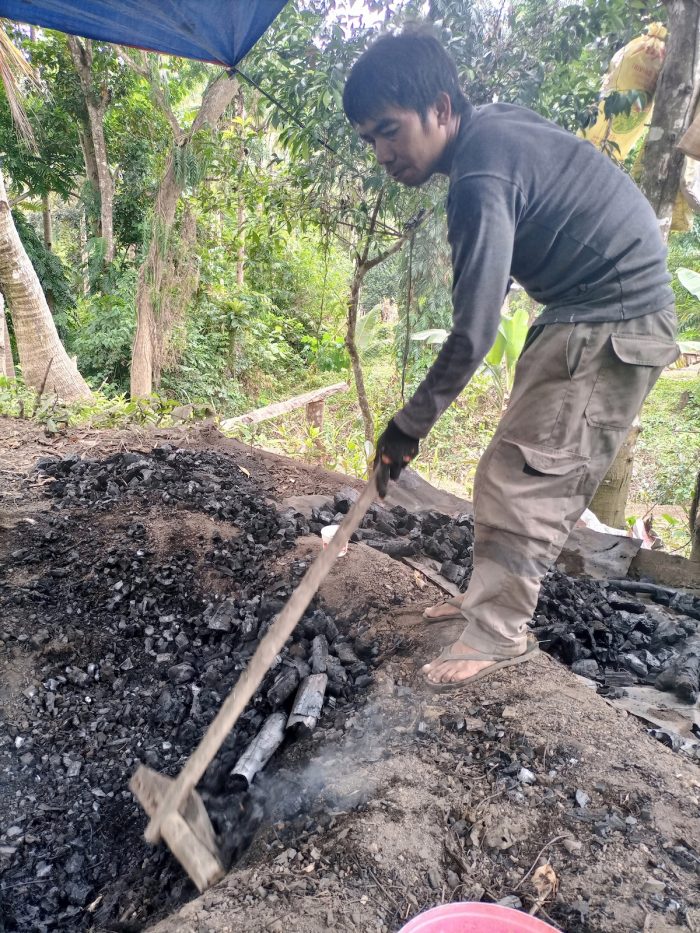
[{"x": 529, "y": 200}]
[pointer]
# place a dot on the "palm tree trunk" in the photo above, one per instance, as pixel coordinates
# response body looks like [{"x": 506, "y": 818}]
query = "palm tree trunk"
[
  {"x": 7, "y": 365},
  {"x": 40, "y": 349}
]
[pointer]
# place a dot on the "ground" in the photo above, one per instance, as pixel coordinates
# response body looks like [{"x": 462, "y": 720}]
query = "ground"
[{"x": 401, "y": 799}]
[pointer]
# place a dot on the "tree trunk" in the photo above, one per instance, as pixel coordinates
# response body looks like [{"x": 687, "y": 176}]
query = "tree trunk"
[
  {"x": 96, "y": 101},
  {"x": 240, "y": 212},
  {"x": 39, "y": 347},
  {"x": 662, "y": 161},
  {"x": 92, "y": 219},
  {"x": 353, "y": 305},
  {"x": 151, "y": 330},
  {"x": 695, "y": 522},
  {"x": 611, "y": 497},
  {"x": 7, "y": 365},
  {"x": 46, "y": 216}
]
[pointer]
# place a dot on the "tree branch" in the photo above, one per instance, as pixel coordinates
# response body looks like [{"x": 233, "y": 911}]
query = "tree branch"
[
  {"x": 157, "y": 91},
  {"x": 372, "y": 225}
]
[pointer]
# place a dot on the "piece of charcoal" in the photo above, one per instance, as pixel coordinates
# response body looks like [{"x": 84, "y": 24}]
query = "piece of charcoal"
[
  {"x": 588, "y": 668},
  {"x": 284, "y": 686},
  {"x": 345, "y": 653},
  {"x": 308, "y": 702},
  {"x": 345, "y": 498},
  {"x": 668, "y": 632},
  {"x": 394, "y": 548},
  {"x": 181, "y": 673},
  {"x": 634, "y": 663},
  {"x": 682, "y": 675},
  {"x": 319, "y": 654},
  {"x": 452, "y": 572}
]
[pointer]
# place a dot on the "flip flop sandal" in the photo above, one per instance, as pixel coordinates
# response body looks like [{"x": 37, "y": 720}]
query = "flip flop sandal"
[
  {"x": 531, "y": 651},
  {"x": 455, "y": 601}
]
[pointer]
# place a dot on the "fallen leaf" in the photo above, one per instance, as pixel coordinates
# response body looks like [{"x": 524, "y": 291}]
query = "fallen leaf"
[{"x": 545, "y": 883}]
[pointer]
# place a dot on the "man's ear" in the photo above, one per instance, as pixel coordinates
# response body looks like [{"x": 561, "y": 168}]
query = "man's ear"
[{"x": 443, "y": 108}]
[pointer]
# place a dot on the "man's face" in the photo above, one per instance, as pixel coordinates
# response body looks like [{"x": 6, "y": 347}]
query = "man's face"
[{"x": 410, "y": 149}]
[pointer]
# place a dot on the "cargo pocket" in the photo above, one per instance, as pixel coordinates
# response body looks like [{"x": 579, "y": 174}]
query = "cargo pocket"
[
  {"x": 526, "y": 489},
  {"x": 632, "y": 365},
  {"x": 546, "y": 461}
]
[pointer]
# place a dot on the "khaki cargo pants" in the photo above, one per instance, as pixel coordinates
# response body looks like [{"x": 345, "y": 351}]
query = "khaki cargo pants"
[{"x": 576, "y": 392}]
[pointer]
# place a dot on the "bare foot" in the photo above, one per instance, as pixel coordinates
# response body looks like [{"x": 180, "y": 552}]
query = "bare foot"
[
  {"x": 441, "y": 611},
  {"x": 450, "y": 672}
]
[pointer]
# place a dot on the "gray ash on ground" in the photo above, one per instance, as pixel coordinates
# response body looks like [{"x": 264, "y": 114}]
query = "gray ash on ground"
[
  {"x": 128, "y": 657},
  {"x": 600, "y": 630}
]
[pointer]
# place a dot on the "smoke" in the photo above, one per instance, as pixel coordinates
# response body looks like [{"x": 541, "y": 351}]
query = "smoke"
[{"x": 338, "y": 778}]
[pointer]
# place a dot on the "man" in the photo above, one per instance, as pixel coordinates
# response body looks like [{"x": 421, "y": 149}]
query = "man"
[{"x": 527, "y": 200}]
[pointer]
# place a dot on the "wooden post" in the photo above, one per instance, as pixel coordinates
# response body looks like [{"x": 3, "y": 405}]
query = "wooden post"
[{"x": 314, "y": 413}]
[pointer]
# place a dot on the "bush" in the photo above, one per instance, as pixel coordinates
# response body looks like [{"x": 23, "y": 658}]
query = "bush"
[{"x": 103, "y": 334}]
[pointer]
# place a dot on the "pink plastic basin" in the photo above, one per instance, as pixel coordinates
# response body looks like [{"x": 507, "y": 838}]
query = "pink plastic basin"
[{"x": 473, "y": 917}]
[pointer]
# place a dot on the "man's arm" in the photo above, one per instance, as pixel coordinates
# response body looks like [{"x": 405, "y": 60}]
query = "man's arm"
[{"x": 482, "y": 214}]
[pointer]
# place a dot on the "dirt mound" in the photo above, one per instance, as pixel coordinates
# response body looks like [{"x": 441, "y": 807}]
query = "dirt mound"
[
  {"x": 131, "y": 608},
  {"x": 126, "y": 616}
]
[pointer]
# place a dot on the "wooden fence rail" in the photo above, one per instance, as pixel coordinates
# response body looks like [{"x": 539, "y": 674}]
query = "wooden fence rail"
[{"x": 314, "y": 402}]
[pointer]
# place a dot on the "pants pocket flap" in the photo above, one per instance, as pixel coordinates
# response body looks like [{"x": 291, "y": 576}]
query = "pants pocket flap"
[
  {"x": 548, "y": 460},
  {"x": 644, "y": 351}
]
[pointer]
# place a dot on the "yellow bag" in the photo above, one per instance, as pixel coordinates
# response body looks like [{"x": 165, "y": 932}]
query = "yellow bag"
[{"x": 635, "y": 67}]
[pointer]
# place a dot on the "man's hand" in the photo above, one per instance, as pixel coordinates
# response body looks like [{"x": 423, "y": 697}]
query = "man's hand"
[{"x": 394, "y": 449}]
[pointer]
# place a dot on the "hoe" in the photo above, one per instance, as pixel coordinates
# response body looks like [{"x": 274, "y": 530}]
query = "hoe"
[{"x": 177, "y": 813}]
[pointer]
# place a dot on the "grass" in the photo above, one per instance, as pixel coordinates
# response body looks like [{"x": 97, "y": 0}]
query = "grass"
[{"x": 666, "y": 464}]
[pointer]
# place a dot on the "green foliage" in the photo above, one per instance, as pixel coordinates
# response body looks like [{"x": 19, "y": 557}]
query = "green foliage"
[
  {"x": 51, "y": 272},
  {"x": 668, "y": 450},
  {"x": 689, "y": 280},
  {"x": 101, "y": 411},
  {"x": 134, "y": 193},
  {"x": 104, "y": 333},
  {"x": 371, "y": 334},
  {"x": 684, "y": 253},
  {"x": 503, "y": 355}
]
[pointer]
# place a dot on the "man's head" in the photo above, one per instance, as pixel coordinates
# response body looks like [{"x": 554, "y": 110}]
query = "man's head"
[{"x": 404, "y": 99}]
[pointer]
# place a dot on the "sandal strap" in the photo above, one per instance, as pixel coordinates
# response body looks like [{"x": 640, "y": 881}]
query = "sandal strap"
[
  {"x": 446, "y": 655},
  {"x": 476, "y": 655}
]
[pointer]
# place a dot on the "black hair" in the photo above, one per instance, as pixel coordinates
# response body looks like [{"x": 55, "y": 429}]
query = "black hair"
[{"x": 407, "y": 70}]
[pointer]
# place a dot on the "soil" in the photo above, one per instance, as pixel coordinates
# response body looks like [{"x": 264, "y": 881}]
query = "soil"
[{"x": 401, "y": 799}]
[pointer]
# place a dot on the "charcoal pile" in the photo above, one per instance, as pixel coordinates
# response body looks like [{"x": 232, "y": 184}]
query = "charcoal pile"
[
  {"x": 601, "y": 630},
  {"x": 400, "y": 533},
  {"x": 129, "y": 655}
]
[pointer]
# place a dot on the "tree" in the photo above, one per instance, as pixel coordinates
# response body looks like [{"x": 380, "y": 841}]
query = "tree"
[
  {"x": 45, "y": 364},
  {"x": 695, "y": 522},
  {"x": 96, "y": 98},
  {"x": 342, "y": 190},
  {"x": 676, "y": 96},
  {"x": 153, "y": 325},
  {"x": 7, "y": 366}
]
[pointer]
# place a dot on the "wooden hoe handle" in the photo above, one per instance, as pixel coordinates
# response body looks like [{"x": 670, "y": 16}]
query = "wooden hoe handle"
[{"x": 258, "y": 666}]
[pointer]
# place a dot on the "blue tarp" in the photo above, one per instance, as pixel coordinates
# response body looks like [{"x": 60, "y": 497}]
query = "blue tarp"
[{"x": 219, "y": 31}]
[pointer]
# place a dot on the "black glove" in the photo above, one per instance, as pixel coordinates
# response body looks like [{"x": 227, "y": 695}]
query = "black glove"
[{"x": 394, "y": 451}]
